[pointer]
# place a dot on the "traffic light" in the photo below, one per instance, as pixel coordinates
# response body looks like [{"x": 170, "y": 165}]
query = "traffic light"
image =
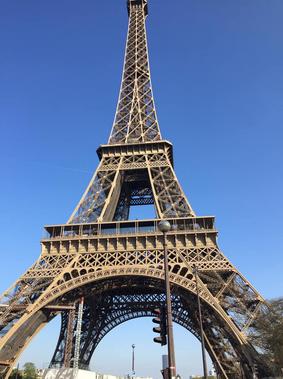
[{"x": 161, "y": 329}]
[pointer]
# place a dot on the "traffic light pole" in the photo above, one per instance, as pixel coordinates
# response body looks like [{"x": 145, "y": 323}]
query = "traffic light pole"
[
  {"x": 133, "y": 360},
  {"x": 171, "y": 350}
]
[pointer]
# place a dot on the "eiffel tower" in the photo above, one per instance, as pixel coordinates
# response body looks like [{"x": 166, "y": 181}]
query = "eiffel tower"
[{"x": 101, "y": 269}]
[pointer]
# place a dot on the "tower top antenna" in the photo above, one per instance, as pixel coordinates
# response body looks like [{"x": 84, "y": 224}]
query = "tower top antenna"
[{"x": 142, "y": 3}]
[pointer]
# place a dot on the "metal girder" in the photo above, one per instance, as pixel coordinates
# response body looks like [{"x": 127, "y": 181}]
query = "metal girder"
[
  {"x": 136, "y": 119},
  {"x": 135, "y": 190},
  {"x": 115, "y": 302},
  {"x": 135, "y": 248},
  {"x": 111, "y": 191}
]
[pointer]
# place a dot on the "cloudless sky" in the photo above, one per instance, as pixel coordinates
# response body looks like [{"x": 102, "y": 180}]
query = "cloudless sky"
[{"x": 217, "y": 72}]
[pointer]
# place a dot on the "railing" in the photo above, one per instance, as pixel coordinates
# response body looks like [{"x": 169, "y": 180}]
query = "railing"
[{"x": 192, "y": 224}]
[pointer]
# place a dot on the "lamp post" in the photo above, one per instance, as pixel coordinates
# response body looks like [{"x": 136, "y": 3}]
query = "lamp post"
[
  {"x": 164, "y": 227},
  {"x": 195, "y": 271},
  {"x": 133, "y": 360}
]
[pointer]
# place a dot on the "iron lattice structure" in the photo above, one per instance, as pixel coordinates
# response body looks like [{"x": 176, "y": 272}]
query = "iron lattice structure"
[{"x": 116, "y": 264}]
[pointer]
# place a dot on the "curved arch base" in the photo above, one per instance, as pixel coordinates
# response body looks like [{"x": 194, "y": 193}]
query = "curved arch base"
[{"x": 105, "y": 268}]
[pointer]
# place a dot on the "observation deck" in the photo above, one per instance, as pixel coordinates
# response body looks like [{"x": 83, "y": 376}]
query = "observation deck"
[
  {"x": 191, "y": 225},
  {"x": 138, "y": 3}
]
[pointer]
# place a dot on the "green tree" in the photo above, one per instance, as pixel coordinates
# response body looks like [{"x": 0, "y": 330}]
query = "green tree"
[
  {"x": 16, "y": 374},
  {"x": 29, "y": 371},
  {"x": 268, "y": 336}
]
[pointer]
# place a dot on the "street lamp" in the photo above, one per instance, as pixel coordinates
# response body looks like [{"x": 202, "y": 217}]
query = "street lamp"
[
  {"x": 195, "y": 271},
  {"x": 133, "y": 360},
  {"x": 164, "y": 227}
]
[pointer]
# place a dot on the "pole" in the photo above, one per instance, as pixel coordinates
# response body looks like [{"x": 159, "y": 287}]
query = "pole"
[
  {"x": 201, "y": 328},
  {"x": 171, "y": 351},
  {"x": 241, "y": 370},
  {"x": 17, "y": 371},
  {"x": 133, "y": 360}
]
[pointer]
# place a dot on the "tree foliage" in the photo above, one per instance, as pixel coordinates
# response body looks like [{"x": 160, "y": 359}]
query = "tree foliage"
[
  {"x": 29, "y": 371},
  {"x": 268, "y": 335},
  {"x": 16, "y": 374}
]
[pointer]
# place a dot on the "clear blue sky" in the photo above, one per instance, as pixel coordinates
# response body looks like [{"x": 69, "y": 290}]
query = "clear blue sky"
[{"x": 217, "y": 70}]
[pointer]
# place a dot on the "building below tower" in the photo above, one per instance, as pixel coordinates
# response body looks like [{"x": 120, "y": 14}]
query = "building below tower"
[{"x": 69, "y": 373}]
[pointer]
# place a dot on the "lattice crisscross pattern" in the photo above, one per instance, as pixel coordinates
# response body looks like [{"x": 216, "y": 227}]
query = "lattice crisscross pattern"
[{"x": 136, "y": 119}]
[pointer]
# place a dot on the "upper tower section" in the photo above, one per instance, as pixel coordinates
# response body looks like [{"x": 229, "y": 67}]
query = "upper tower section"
[
  {"x": 135, "y": 119},
  {"x": 141, "y": 3}
]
